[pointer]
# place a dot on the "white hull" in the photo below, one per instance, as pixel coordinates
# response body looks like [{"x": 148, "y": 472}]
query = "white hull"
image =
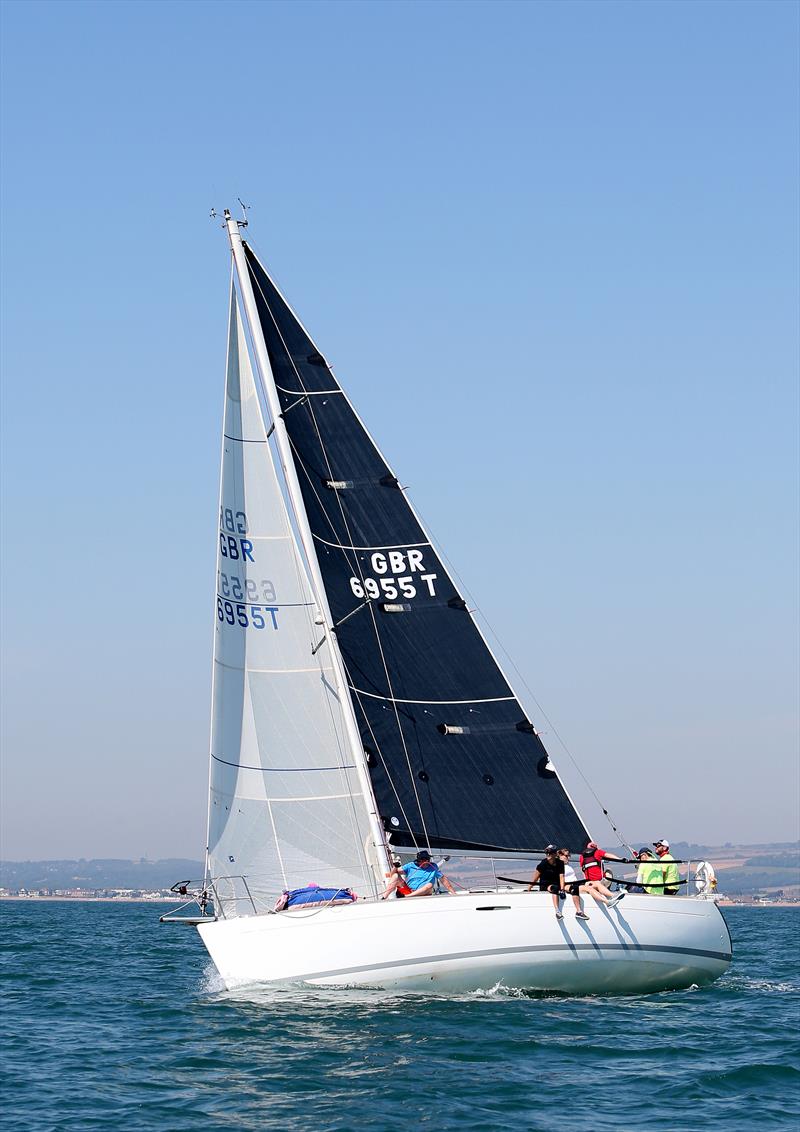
[{"x": 476, "y": 941}]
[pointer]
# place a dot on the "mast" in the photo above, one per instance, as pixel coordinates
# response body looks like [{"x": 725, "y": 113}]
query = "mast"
[{"x": 304, "y": 530}]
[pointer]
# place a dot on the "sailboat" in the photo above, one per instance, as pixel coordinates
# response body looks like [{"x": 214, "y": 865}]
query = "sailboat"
[{"x": 360, "y": 716}]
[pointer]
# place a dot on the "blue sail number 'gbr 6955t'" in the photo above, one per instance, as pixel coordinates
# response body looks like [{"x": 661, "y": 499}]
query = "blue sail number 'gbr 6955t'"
[{"x": 359, "y": 715}]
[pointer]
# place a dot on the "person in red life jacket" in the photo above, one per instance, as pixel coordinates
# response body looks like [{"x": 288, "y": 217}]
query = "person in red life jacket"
[
  {"x": 590, "y": 862},
  {"x": 549, "y": 876}
]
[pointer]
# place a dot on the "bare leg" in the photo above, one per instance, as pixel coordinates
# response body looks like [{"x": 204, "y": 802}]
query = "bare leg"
[
  {"x": 424, "y": 890},
  {"x": 390, "y": 886},
  {"x": 598, "y": 891}
]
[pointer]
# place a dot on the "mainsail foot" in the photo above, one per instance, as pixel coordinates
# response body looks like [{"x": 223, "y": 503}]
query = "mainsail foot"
[{"x": 475, "y": 941}]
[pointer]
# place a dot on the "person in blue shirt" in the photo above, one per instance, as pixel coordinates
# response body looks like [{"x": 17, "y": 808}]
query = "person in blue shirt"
[{"x": 418, "y": 875}]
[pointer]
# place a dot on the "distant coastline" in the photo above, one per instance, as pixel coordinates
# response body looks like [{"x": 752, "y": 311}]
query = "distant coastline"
[
  {"x": 764, "y": 875},
  {"x": 171, "y": 899}
]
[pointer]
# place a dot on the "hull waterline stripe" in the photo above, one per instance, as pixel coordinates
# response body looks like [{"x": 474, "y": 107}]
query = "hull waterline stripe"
[
  {"x": 390, "y": 699},
  {"x": 629, "y": 949}
]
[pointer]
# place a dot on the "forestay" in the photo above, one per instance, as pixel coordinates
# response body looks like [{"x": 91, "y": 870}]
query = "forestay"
[
  {"x": 285, "y": 807},
  {"x": 454, "y": 761}
]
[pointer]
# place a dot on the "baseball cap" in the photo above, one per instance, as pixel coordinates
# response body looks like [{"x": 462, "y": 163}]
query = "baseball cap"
[
  {"x": 643, "y": 849},
  {"x": 662, "y": 842},
  {"x": 551, "y": 848},
  {"x": 423, "y": 855}
]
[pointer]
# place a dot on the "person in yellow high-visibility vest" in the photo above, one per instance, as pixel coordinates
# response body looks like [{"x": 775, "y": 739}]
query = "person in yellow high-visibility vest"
[
  {"x": 650, "y": 873},
  {"x": 670, "y": 869}
]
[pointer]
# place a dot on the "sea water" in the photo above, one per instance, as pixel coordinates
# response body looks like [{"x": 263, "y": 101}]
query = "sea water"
[{"x": 113, "y": 1021}]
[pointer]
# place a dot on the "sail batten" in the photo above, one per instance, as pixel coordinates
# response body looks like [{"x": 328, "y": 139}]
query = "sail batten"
[{"x": 451, "y": 754}]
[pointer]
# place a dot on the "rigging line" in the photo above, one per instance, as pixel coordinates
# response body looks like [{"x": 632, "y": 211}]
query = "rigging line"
[
  {"x": 350, "y": 538},
  {"x": 555, "y": 731},
  {"x": 317, "y": 822},
  {"x": 277, "y": 841},
  {"x": 411, "y": 775},
  {"x": 355, "y": 828},
  {"x": 329, "y": 833},
  {"x": 377, "y": 745},
  {"x": 300, "y": 464},
  {"x": 366, "y": 871},
  {"x": 466, "y": 591},
  {"x": 366, "y": 867},
  {"x": 424, "y": 529},
  {"x": 400, "y": 805},
  {"x": 344, "y": 767},
  {"x": 299, "y": 461}
]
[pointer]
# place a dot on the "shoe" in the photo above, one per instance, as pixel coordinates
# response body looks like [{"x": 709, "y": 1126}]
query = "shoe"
[
  {"x": 581, "y": 916},
  {"x": 559, "y": 915},
  {"x": 615, "y": 900}
]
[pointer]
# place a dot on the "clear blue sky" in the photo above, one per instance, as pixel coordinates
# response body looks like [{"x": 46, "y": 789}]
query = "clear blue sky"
[{"x": 552, "y": 252}]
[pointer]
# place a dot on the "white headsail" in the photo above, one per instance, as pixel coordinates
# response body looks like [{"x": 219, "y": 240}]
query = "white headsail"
[{"x": 285, "y": 805}]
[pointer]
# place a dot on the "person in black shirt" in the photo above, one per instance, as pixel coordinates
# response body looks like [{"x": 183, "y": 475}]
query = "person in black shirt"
[{"x": 549, "y": 876}]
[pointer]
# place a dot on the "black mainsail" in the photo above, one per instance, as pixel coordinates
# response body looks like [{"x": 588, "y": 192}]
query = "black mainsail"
[{"x": 454, "y": 761}]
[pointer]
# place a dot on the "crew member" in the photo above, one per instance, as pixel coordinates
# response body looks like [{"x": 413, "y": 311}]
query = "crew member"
[
  {"x": 590, "y": 862},
  {"x": 549, "y": 876},
  {"x": 401, "y": 888},
  {"x": 572, "y": 883},
  {"x": 650, "y": 874},
  {"x": 419, "y": 876},
  {"x": 671, "y": 876}
]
